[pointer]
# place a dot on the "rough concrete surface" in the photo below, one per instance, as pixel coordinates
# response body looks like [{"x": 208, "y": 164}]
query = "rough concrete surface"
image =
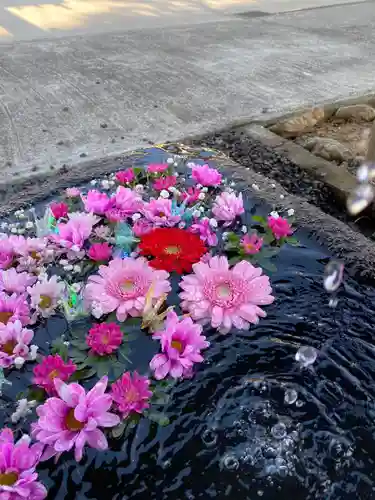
[{"x": 99, "y": 95}]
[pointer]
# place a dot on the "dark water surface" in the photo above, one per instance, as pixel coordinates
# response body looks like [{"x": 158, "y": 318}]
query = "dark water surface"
[{"x": 232, "y": 435}]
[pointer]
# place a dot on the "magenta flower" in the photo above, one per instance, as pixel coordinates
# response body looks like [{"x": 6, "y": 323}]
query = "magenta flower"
[
  {"x": 251, "y": 244},
  {"x": 126, "y": 176},
  {"x": 97, "y": 202},
  {"x": 59, "y": 210},
  {"x": 13, "y": 308},
  {"x": 122, "y": 287},
  {"x": 203, "y": 228},
  {"x": 131, "y": 394},
  {"x": 72, "y": 192},
  {"x": 45, "y": 296},
  {"x": 13, "y": 282},
  {"x": 227, "y": 207},
  {"x": 18, "y": 460},
  {"x": 104, "y": 338},
  {"x": 116, "y": 215},
  {"x": 192, "y": 195},
  {"x": 165, "y": 182},
  {"x": 128, "y": 201},
  {"x": 74, "y": 419},
  {"x": 205, "y": 175},
  {"x": 51, "y": 367},
  {"x": 76, "y": 231},
  {"x": 181, "y": 344},
  {"x": 225, "y": 297},
  {"x": 142, "y": 227},
  {"x": 6, "y": 253},
  {"x": 157, "y": 168},
  {"x": 14, "y": 343},
  {"x": 100, "y": 252},
  {"x": 280, "y": 227},
  {"x": 159, "y": 212}
]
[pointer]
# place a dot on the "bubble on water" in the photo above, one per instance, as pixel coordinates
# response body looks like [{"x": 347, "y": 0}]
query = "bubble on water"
[
  {"x": 366, "y": 172},
  {"x": 333, "y": 274},
  {"x": 260, "y": 493},
  {"x": 360, "y": 199},
  {"x": 306, "y": 355},
  {"x": 290, "y": 396},
  {"x": 230, "y": 462},
  {"x": 278, "y": 431},
  {"x": 333, "y": 302},
  {"x": 209, "y": 437},
  {"x": 299, "y": 403}
]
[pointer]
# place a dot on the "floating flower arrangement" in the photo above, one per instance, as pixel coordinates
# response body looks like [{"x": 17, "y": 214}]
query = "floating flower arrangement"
[{"x": 109, "y": 261}]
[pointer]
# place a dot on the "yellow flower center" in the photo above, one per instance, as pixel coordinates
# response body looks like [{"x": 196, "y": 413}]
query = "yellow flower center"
[
  {"x": 5, "y": 317},
  {"x": 34, "y": 254},
  {"x": 53, "y": 374},
  {"x": 71, "y": 423},
  {"x": 161, "y": 214},
  {"x": 172, "y": 250},
  {"x": 8, "y": 347},
  {"x": 8, "y": 479},
  {"x": 127, "y": 286},
  {"x": 177, "y": 345},
  {"x": 105, "y": 339},
  {"x": 45, "y": 302},
  {"x": 131, "y": 395},
  {"x": 249, "y": 246}
]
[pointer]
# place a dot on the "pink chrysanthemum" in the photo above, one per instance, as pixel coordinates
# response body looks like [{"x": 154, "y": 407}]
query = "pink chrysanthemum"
[
  {"x": 72, "y": 192},
  {"x": 205, "y": 175},
  {"x": 280, "y": 227},
  {"x": 13, "y": 308},
  {"x": 59, "y": 210},
  {"x": 104, "y": 338},
  {"x": 45, "y": 296},
  {"x": 116, "y": 215},
  {"x": 73, "y": 419},
  {"x": 18, "y": 460},
  {"x": 97, "y": 202},
  {"x": 128, "y": 201},
  {"x": 6, "y": 253},
  {"x": 165, "y": 182},
  {"x": 156, "y": 168},
  {"x": 131, "y": 393},
  {"x": 51, "y": 367},
  {"x": 14, "y": 343},
  {"x": 159, "y": 212},
  {"x": 226, "y": 297},
  {"x": 192, "y": 195},
  {"x": 126, "y": 176},
  {"x": 181, "y": 344},
  {"x": 100, "y": 252},
  {"x": 203, "y": 228},
  {"x": 142, "y": 227},
  {"x": 227, "y": 207},
  {"x": 76, "y": 231},
  {"x": 251, "y": 244},
  {"x": 13, "y": 282},
  {"x": 122, "y": 286},
  {"x": 29, "y": 247}
]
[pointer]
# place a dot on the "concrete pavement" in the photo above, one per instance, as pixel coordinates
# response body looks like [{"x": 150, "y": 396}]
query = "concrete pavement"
[{"x": 67, "y": 100}]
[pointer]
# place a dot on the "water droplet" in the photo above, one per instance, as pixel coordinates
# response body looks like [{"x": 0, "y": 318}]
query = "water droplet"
[
  {"x": 290, "y": 396},
  {"x": 299, "y": 403},
  {"x": 306, "y": 355},
  {"x": 230, "y": 462},
  {"x": 278, "y": 431},
  {"x": 209, "y": 437},
  {"x": 260, "y": 493},
  {"x": 366, "y": 172},
  {"x": 333, "y": 274},
  {"x": 333, "y": 302},
  {"x": 359, "y": 199}
]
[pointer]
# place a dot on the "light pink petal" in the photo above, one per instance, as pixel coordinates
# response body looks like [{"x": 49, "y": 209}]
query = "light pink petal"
[
  {"x": 98, "y": 390},
  {"x": 71, "y": 393},
  {"x": 217, "y": 316},
  {"x": 96, "y": 439},
  {"x": 176, "y": 370},
  {"x": 107, "y": 420}
]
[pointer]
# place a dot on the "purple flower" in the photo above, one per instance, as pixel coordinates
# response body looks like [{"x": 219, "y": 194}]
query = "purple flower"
[
  {"x": 203, "y": 228},
  {"x": 125, "y": 176},
  {"x": 251, "y": 244},
  {"x": 131, "y": 394},
  {"x": 159, "y": 212},
  {"x": 97, "y": 202},
  {"x": 181, "y": 345},
  {"x": 128, "y": 201},
  {"x": 205, "y": 175}
]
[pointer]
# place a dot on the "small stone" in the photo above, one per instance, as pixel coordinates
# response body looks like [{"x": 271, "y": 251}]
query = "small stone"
[
  {"x": 83, "y": 155},
  {"x": 103, "y": 125},
  {"x": 298, "y": 125},
  {"x": 290, "y": 396},
  {"x": 329, "y": 149},
  {"x": 66, "y": 109},
  {"x": 60, "y": 143},
  {"x": 356, "y": 112}
]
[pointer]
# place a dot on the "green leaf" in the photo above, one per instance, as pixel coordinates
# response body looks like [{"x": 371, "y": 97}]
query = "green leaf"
[
  {"x": 78, "y": 355},
  {"x": 268, "y": 266},
  {"x": 118, "y": 370},
  {"x": 292, "y": 241},
  {"x": 234, "y": 260},
  {"x": 82, "y": 374},
  {"x": 158, "y": 417},
  {"x": 160, "y": 398},
  {"x": 118, "y": 431},
  {"x": 36, "y": 394},
  {"x": 80, "y": 344},
  {"x": 233, "y": 238},
  {"x": 259, "y": 218},
  {"x": 58, "y": 347}
]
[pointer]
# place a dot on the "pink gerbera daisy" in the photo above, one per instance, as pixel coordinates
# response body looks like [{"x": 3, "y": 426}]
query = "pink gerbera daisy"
[
  {"x": 6, "y": 253},
  {"x": 205, "y": 175},
  {"x": 122, "y": 287},
  {"x": 45, "y": 296},
  {"x": 18, "y": 460},
  {"x": 227, "y": 207},
  {"x": 128, "y": 201},
  {"x": 52, "y": 367},
  {"x": 13, "y": 308},
  {"x": 13, "y": 282},
  {"x": 159, "y": 212},
  {"x": 181, "y": 343},
  {"x": 76, "y": 231},
  {"x": 131, "y": 393},
  {"x": 74, "y": 418},
  {"x": 104, "y": 338},
  {"x": 97, "y": 202},
  {"x": 14, "y": 343},
  {"x": 226, "y": 296}
]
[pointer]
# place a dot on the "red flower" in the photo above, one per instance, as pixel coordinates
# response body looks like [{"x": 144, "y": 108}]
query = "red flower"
[{"x": 172, "y": 249}]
